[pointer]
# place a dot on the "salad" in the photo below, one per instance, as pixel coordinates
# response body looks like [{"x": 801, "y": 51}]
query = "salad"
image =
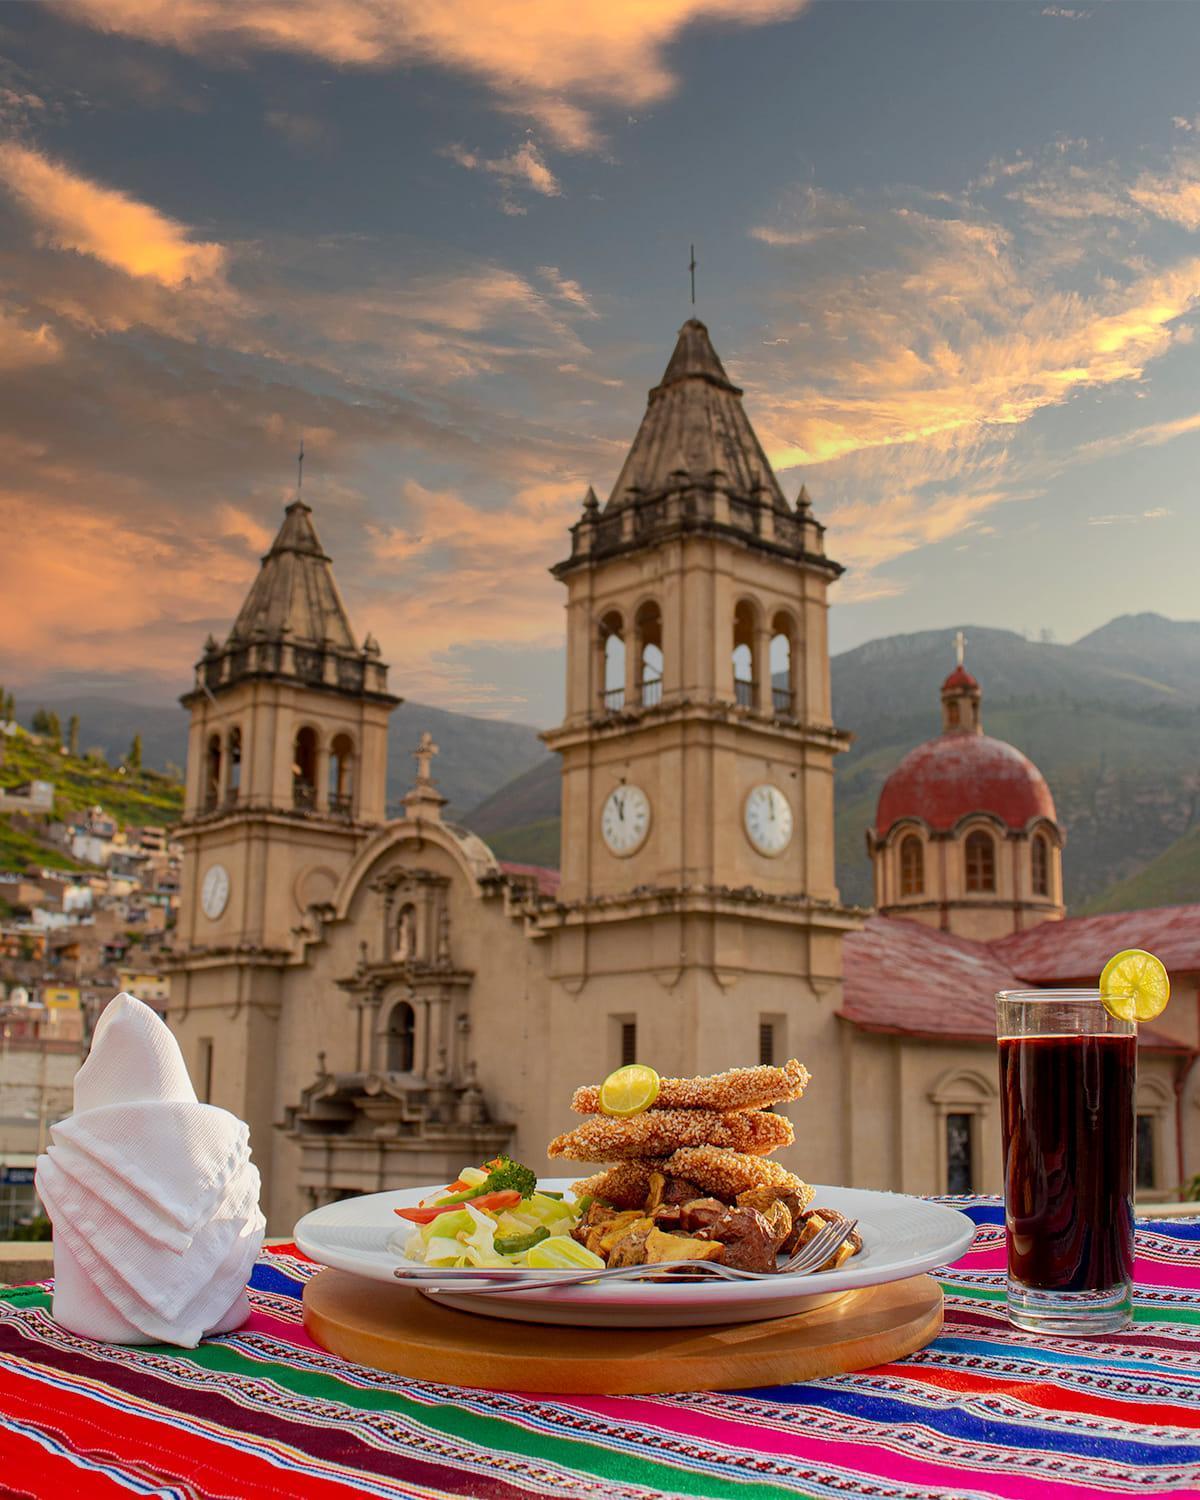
[{"x": 496, "y": 1215}]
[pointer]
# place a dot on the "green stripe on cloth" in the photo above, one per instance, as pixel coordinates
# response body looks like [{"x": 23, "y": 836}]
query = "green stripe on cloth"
[
  {"x": 25, "y": 1296},
  {"x": 492, "y": 1433}
]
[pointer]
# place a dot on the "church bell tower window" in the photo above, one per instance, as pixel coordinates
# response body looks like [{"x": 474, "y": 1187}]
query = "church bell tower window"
[
  {"x": 612, "y": 649},
  {"x": 233, "y": 774},
  {"x": 745, "y": 676},
  {"x": 304, "y": 769},
  {"x": 782, "y": 691},
  {"x": 341, "y": 774},
  {"x": 212, "y": 773},
  {"x": 650, "y": 657},
  {"x": 1040, "y": 852}
]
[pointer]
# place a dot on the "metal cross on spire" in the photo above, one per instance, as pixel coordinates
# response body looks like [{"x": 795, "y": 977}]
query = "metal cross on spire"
[
  {"x": 960, "y": 646},
  {"x": 692, "y": 269},
  {"x": 300, "y": 468}
]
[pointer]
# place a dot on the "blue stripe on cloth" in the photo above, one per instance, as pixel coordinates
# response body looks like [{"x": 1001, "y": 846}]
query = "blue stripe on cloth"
[
  {"x": 268, "y": 1278},
  {"x": 967, "y": 1424},
  {"x": 1032, "y": 1354}
]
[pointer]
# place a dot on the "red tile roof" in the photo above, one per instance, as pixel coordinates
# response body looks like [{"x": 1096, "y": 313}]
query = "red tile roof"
[
  {"x": 1074, "y": 951},
  {"x": 959, "y": 678},
  {"x": 910, "y": 980},
  {"x": 546, "y": 878},
  {"x": 955, "y": 774}
]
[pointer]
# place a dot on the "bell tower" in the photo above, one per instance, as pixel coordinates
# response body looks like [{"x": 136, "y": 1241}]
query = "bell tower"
[
  {"x": 286, "y": 770},
  {"x": 698, "y": 741}
]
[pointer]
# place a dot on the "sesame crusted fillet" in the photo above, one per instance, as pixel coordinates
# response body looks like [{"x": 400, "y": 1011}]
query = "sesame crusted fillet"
[
  {"x": 627, "y": 1185},
  {"x": 725, "y": 1174},
  {"x": 658, "y": 1132},
  {"x": 726, "y": 1093}
]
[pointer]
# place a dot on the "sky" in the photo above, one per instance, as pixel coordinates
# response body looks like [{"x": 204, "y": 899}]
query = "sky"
[{"x": 951, "y": 251}]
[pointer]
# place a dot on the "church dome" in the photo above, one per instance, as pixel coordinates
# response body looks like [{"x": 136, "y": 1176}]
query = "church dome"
[{"x": 959, "y": 773}]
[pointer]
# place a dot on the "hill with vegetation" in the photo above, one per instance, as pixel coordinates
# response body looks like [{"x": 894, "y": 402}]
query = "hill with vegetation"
[
  {"x": 135, "y": 796},
  {"x": 1113, "y": 721}
]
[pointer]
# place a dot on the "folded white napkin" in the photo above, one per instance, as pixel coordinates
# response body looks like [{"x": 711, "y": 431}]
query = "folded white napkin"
[{"x": 153, "y": 1196}]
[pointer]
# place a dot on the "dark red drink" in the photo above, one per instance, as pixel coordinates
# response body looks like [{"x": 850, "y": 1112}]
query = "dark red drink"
[{"x": 1067, "y": 1116}]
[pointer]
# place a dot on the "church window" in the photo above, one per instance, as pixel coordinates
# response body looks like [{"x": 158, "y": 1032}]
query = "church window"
[
  {"x": 953, "y": 716},
  {"x": 406, "y": 932},
  {"x": 233, "y": 776},
  {"x": 612, "y": 648},
  {"x": 401, "y": 1038},
  {"x": 745, "y": 631},
  {"x": 204, "y": 1073},
  {"x": 766, "y": 1043},
  {"x": 1041, "y": 865},
  {"x": 981, "y": 861},
  {"x": 212, "y": 773},
  {"x": 912, "y": 866},
  {"x": 782, "y": 691},
  {"x": 628, "y": 1043},
  {"x": 650, "y": 658},
  {"x": 341, "y": 774},
  {"x": 960, "y": 1165},
  {"x": 304, "y": 769},
  {"x": 1145, "y": 1176}
]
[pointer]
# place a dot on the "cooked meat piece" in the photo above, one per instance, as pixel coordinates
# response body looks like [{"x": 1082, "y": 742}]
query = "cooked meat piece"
[
  {"x": 624, "y": 1185},
  {"x": 667, "y": 1216},
  {"x": 700, "y": 1213},
  {"x": 661, "y": 1248},
  {"x": 748, "y": 1238},
  {"x": 656, "y": 1132},
  {"x": 725, "y": 1174},
  {"x": 737, "y": 1089},
  {"x": 597, "y": 1214},
  {"x": 602, "y": 1237},
  {"x": 677, "y": 1190},
  {"x": 630, "y": 1248}
]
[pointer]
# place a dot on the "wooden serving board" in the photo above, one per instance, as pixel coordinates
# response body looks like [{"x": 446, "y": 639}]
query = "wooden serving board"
[{"x": 398, "y": 1330}]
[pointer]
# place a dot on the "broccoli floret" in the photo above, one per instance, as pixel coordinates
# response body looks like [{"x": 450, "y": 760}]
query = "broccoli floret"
[{"x": 506, "y": 1175}]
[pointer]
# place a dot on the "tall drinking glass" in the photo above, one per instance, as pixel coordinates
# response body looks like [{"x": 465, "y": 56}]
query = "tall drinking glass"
[{"x": 1067, "y": 1077}]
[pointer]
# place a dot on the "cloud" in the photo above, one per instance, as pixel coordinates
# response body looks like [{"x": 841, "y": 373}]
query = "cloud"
[
  {"x": 552, "y": 62},
  {"x": 1159, "y": 513},
  {"x": 305, "y": 132},
  {"x": 523, "y": 167},
  {"x": 73, "y": 213},
  {"x": 1065, "y": 13},
  {"x": 1153, "y": 435},
  {"x": 567, "y": 290},
  {"x": 22, "y": 345}
]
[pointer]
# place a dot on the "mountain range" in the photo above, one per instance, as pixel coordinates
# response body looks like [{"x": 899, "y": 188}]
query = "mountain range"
[{"x": 1112, "y": 720}]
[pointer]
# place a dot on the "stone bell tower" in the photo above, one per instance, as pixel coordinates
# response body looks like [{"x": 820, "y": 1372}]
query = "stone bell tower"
[
  {"x": 697, "y": 752},
  {"x": 285, "y": 780}
]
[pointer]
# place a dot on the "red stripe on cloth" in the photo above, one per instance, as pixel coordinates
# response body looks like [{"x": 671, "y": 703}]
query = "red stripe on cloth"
[
  {"x": 103, "y": 1432},
  {"x": 35, "y": 1472},
  {"x": 1137, "y": 1412}
]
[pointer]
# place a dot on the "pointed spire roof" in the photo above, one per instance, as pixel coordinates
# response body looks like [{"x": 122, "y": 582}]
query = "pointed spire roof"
[
  {"x": 695, "y": 424},
  {"x": 295, "y": 596}
]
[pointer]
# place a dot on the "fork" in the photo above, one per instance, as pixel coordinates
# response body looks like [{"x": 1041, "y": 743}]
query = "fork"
[{"x": 808, "y": 1258}]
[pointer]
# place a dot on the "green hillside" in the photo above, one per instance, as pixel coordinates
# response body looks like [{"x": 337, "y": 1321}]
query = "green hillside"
[
  {"x": 134, "y": 798},
  {"x": 1173, "y": 879}
]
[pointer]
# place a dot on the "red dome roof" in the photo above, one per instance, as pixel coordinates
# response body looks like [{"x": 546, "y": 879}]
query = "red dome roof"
[
  {"x": 944, "y": 779},
  {"x": 959, "y": 678}
]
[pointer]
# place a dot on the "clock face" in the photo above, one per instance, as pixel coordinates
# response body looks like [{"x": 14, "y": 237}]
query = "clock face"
[
  {"x": 625, "y": 820},
  {"x": 214, "y": 893},
  {"x": 768, "y": 818}
]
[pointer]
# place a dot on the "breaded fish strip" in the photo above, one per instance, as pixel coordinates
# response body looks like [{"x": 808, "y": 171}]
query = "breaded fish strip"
[
  {"x": 725, "y": 1174},
  {"x": 658, "y": 1132},
  {"x": 725, "y": 1093},
  {"x": 627, "y": 1185}
]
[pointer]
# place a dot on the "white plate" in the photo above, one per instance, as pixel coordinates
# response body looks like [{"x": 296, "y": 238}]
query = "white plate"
[{"x": 901, "y": 1237}]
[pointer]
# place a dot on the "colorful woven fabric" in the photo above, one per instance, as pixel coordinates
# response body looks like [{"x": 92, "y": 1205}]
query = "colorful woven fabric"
[{"x": 983, "y": 1412}]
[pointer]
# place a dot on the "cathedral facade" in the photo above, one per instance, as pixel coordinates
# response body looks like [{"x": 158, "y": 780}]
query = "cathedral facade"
[{"x": 385, "y": 1002}]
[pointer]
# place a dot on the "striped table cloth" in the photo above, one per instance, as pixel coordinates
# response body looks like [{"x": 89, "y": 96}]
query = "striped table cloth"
[{"x": 983, "y": 1412}]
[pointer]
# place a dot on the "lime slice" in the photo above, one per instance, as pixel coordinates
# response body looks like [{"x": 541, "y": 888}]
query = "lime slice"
[
  {"x": 628, "y": 1091},
  {"x": 1134, "y": 986},
  {"x": 559, "y": 1253}
]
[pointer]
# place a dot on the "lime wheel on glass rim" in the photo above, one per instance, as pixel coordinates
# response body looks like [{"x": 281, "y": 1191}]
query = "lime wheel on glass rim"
[{"x": 1135, "y": 986}]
